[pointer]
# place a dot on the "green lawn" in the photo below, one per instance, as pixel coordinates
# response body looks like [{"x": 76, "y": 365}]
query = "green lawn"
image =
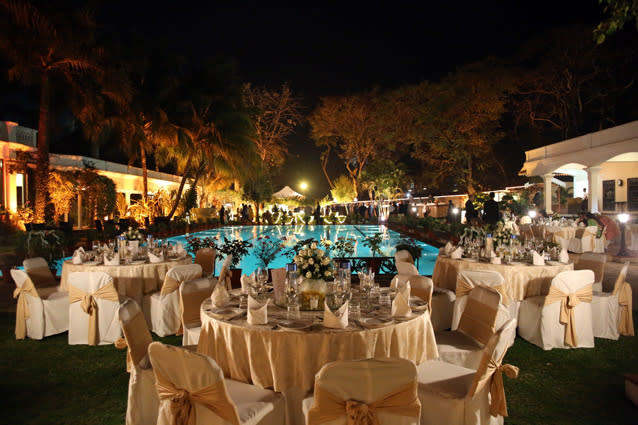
[{"x": 50, "y": 382}]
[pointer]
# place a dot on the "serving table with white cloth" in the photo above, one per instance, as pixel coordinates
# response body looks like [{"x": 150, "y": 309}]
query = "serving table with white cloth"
[
  {"x": 287, "y": 360},
  {"x": 521, "y": 280},
  {"x": 133, "y": 280}
]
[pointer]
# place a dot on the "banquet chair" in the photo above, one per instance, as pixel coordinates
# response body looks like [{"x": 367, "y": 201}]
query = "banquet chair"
[
  {"x": 595, "y": 263},
  {"x": 468, "y": 279},
  {"x": 422, "y": 287},
  {"x": 480, "y": 318},
  {"x": 385, "y": 388},
  {"x": 584, "y": 240},
  {"x": 600, "y": 243},
  {"x": 453, "y": 394},
  {"x": 192, "y": 385},
  {"x": 611, "y": 311},
  {"x": 38, "y": 270},
  {"x": 442, "y": 299},
  {"x": 143, "y": 403},
  {"x": 525, "y": 231},
  {"x": 40, "y": 312},
  {"x": 205, "y": 257},
  {"x": 192, "y": 294},
  {"x": 93, "y": 309},
  {"x": 562, "y": 318},
  {"x": 161, "y": 308}
]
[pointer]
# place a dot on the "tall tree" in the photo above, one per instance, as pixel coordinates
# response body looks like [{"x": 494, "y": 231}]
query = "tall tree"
[
  {"x": 46, "y": 45},
  {"x": 352, "y": 127},
  {"x": 620, "y": 12},
  {"x": 275, "y": 114}
]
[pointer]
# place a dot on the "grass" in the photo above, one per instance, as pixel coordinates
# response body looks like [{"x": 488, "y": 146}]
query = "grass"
[{"x": 51, "y": 382}]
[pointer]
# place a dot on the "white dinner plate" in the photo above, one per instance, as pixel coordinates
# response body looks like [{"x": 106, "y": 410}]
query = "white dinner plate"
[
  {"x": 418, "y": 304},
  {"x": 295, "y": 325},
  {"x": 225, "y": 312},
  {"x": 555, "y": 263},
  {"x": 374, "y": 322}
]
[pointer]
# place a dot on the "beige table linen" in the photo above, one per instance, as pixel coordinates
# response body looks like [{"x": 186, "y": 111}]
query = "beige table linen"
[
  {"x": 133, "y": 280},
  {"x": 521, "y": 280}
]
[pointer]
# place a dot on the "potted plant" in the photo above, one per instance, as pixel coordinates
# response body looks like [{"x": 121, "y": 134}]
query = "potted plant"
[
  {"x": 47, "y": 244},
  {"x": 238, "y": 249},
  {"x": 194, "y": 244},
  {"x": 266, "y": 249},
  {"x": 374, "y": 243}
]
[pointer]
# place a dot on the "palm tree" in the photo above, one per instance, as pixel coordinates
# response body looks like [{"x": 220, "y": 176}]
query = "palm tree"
[{"x": 42, "y": 46}]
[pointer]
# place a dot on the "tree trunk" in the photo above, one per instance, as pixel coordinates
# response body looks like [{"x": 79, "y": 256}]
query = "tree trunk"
[
  {"x": 42, "y": 173},
  {"x": 144, "y": 172},
  {"x": 324, "y": 164},
  {"x": 257, "y": 212},
  {"x": 470, "y": 178},
  {"x": 180, "y": 190}
]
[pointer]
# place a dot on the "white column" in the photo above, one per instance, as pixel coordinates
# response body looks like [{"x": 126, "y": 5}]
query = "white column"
[
  {"x": 593, "y": 177},
  {"x": 547, "y": 178}
]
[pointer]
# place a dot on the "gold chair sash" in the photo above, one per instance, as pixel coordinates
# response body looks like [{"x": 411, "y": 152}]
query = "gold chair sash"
[
  {"x": 478, "y": 320},
  {"x": 213, "y": 397},
  {"x": 327, "y": 406},
  {"x": 505, "y": 299},
  {"x": 22, "y": 307},
  {"x": 89, "y": 305},
  {"x": 138, "y": 338},
  {"x": 492, "y": 373},
  {"x": 463, "y": 287},
  {"x": 625, "y": 322},
  {"x": 41, "y": 276},
  {"x": 169, "y": 286},
  {"x": 568, "y": 302}
]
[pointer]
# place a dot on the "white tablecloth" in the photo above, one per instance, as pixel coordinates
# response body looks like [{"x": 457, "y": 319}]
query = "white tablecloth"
[
  {"x": 521, "y": 280},
  {"x": 133, "y": 280},
  {"x": 287, "y": 361}
]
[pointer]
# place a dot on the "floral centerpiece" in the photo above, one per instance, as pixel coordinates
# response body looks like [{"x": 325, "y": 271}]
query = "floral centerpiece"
[
  {"x": 267, "y": 249},
  {"x": 133, "y": 234},
  {"x": 344, "y": 247},
  {"x": 314, "y": 267},
  {"x": 502, "y": 234},
  {"x": 473, "y": 233}
]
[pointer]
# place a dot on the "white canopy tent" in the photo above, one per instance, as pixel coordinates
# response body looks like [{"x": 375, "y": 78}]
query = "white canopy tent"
[{"x": 287, "y": 192}]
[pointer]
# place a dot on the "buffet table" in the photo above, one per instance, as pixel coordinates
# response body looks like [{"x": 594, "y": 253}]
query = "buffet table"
[
  {"x": 521, "y": 280},
  {"x": 133, "y": 280}
]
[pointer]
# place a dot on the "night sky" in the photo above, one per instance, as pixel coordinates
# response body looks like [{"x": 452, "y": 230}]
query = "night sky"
[{"x": 339, "y": 48}]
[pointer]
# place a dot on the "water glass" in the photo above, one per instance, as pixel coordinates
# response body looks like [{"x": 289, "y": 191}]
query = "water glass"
[
  {"x": 243, "y": 301},
  {"x": 384, "y": 299},
  {"x": 354, "y": 310},
  {"x": 292, "y": 311}
]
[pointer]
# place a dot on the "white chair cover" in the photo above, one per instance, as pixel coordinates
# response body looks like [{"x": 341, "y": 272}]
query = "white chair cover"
[
  {"x": 481, "y": 317},
  {"x": 106, "y": 309},
  {"x": 595, "y": 263},
  {"x": 540, "y": 323},
  {"x": 205, "y": 257},
  {"x": 225, "y": 273},
  {"x": 422, "y": 287},
  {"x": 161, "y": 309},
  {"x": 365, "y": 381},
  {"x": 143, "y": 403},
  {"x": 467, "y": 279},
  {"x": 607, "y": 309},
  {"x": 452, "y": 394},
  {"x": 202, "y": 380},
  {"x": 39, "y": 312},
  {"x": 192, "y": 294},
  {"x": 38, "y": 270},
  {"x": 584, "y": 241}
]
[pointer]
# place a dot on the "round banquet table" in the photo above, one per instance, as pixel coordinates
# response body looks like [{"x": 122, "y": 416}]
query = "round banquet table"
[
  {"x": 287, "y": 360},
  {"x": 133, "y": 280},
  {"x": 521, "y": 280}
]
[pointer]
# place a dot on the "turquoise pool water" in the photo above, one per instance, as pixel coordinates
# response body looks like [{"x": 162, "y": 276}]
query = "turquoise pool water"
[{"x": 250, "y": 233}]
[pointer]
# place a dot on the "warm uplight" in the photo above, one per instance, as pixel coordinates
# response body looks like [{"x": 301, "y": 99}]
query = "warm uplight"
[
  {"x": 413, "y": 209},
  {"x": 303, "y": 185},
  {"x": 623, "y": 218},
  {"x": 455, "y": 211},
  {"x": 531, "y": 214}
]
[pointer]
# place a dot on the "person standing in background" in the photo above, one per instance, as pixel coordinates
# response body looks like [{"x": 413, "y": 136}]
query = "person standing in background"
[{"x": 490, "y": 210}]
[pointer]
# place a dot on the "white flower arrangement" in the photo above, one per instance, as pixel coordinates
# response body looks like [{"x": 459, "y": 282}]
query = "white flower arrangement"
[
  {"x": 313, "y": 263},
  {"x": 133, "y": 234}
]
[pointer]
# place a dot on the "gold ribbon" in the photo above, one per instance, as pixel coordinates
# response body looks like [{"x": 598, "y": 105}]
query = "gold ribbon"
[
  {"x": 463, "y": 287},
  {"x": 213, "y": 397},
  {"x": 137, "y": 337},
  {"x": 89, "y": 305},
  {"x": 568, "y": 302},
  {"x": 169, "y": 286},
  {"x": 478, "y": 320},
  {"x": 625, "y": 322},
  {"x": 327, "y": 406},
  {"x": 505, "y": 299},
  {"x": 22, "y": 307},
  {"x": 492, "y": 371}
]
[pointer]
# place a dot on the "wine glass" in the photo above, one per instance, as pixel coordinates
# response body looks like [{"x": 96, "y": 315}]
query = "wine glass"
[{"x": 261, "y": 275}]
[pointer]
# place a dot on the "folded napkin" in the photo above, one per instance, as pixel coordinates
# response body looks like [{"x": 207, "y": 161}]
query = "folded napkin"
[
  {"x": 257, "y": 312},
  {"x": 114, "y": 261},
  {"x": 401, "y": 303},
  {"x": 78, "y": 256},
  {"x": 246, "y": 282},
  {"x": 457, "y": 253},
  {"x": 537, "y": 259},
  {"x": 180, "y": 251},
  {"x": 220, "y": 296},
  {"x": 495, "y": 260},
  {"x": 336, "y": 320},
  {"x": 448, "y": 248},
  {"x": 155, "y": 258},
  {"x": 563, "y": 257}
]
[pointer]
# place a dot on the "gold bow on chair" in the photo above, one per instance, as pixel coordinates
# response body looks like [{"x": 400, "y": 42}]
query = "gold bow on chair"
[
  {"x": 625, "y": 322},
  {"x": 327, "y": 406},
  {"x": 463, "y": 287},
  {"x": 89, "y": 305},
  {"x": 568, "y": 303},
  {"x": 22, "y": 307},
  {"x": 213, "y": 397}
]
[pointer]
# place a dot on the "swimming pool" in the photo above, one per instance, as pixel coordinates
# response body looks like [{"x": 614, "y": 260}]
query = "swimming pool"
[{"x": 358, "y": 232}]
